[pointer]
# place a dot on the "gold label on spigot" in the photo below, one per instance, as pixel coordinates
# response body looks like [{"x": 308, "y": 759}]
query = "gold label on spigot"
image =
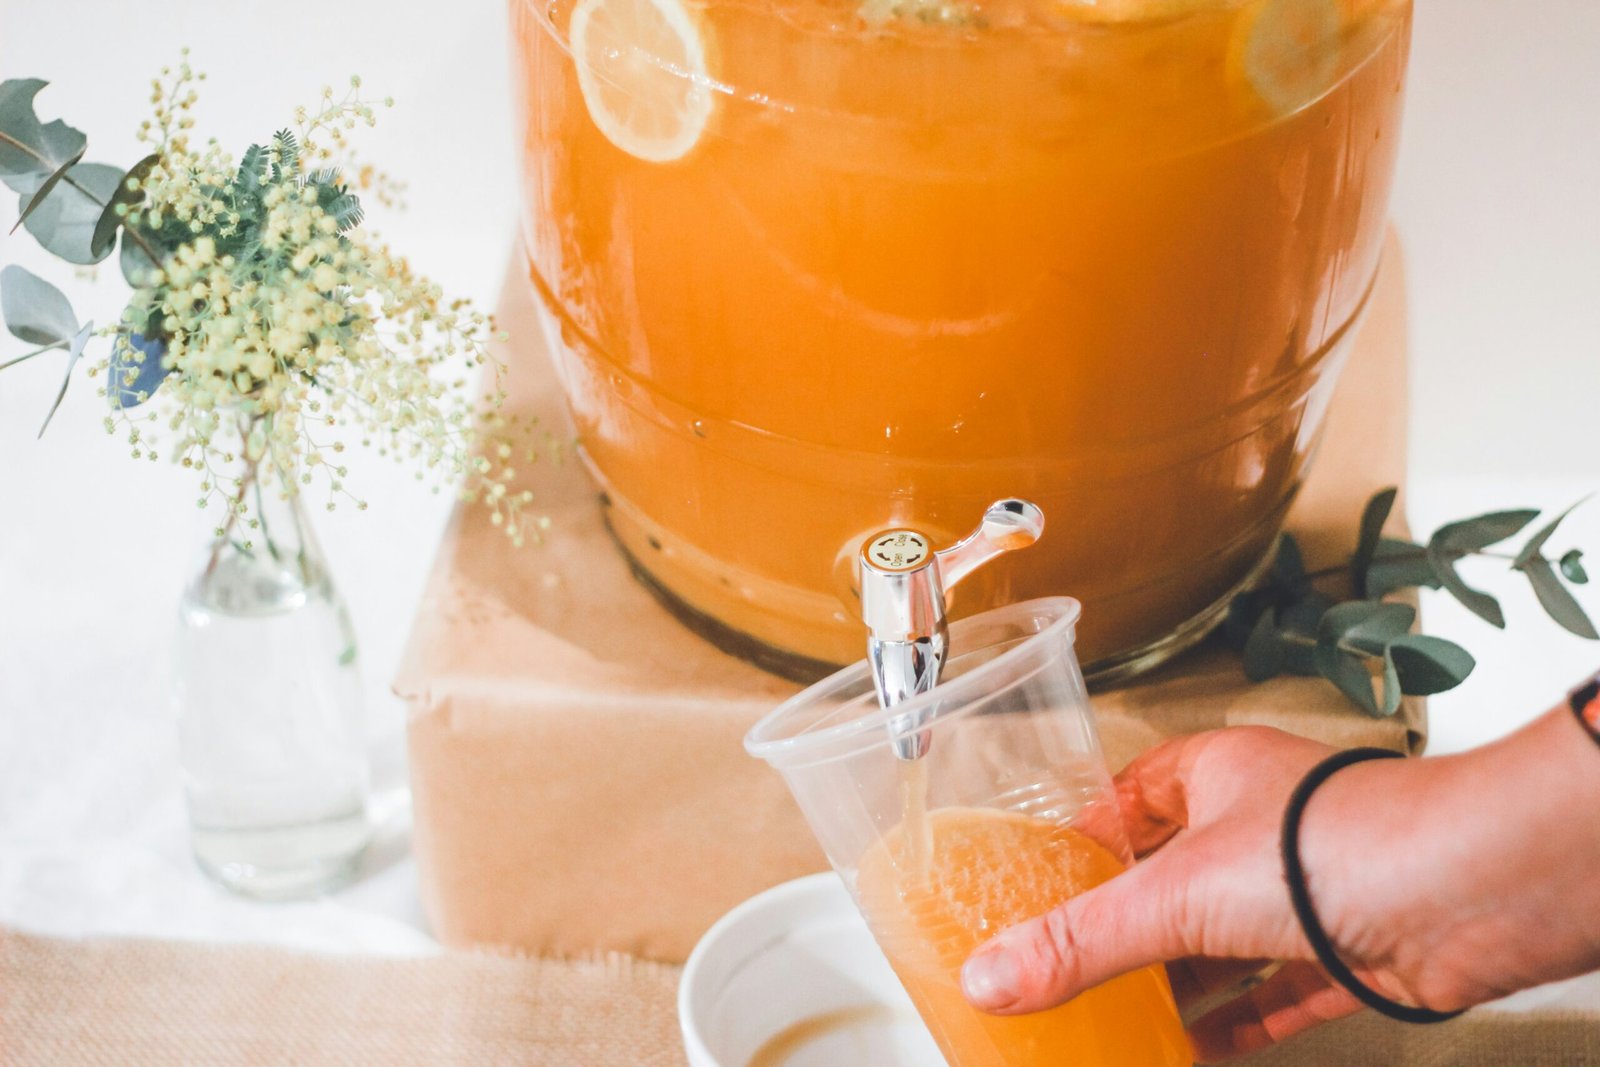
[{"x": 898, "y": 551}]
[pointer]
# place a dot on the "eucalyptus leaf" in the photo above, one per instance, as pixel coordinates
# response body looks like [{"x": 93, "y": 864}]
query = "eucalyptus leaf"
[
  {"x": 29, "y": 202},
  {"x": 1264, "y": 652},
  {"x": 137, "y": 266},
  {"x": 35, "y": 311},
  {"x": 1558, "y": 600},
  {"x": 1299, "y": 658},
  {"x": 1244, "y": 611},
  {"x": 74, "y": 354},
  {"x": 1393, "y": 690},
  {"x": 1474, "y": 535},
  {"x": 1348, "y": 671},
  {"x": 1428, "y": 665},
  {"x": 1365, "y": 626},
  {"x": 1289, "y": 566},
  {"x": 1304, "y": 615},
  {"x": 105, "y": 228},
  {"x": 1398, "y": 565},
  {"x": 1481, "y": 604},
  {"x": 1572, "y": 567},
  {"x": 29, "y": 149},
  {"x": 1534, "y": 549},
  {"x": 1373, "y": 519},
  {"x": 1299, "y": 621},
  {"x": 135, "y": 371},
  {"x": 65, "y": 220}
]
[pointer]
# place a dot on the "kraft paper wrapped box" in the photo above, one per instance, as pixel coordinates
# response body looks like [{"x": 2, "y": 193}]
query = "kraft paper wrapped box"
[{"x": 579, "y": 779}]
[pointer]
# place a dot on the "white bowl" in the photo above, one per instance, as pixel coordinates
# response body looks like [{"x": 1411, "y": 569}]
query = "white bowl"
[{"x": 792, "y": 978}]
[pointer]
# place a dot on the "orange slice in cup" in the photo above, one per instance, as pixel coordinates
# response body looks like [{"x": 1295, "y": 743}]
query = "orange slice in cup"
[{"x": 642, "y": 69}]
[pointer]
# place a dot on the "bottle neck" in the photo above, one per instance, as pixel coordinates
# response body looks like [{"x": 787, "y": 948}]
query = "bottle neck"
[{"x": 264, "y": 557}]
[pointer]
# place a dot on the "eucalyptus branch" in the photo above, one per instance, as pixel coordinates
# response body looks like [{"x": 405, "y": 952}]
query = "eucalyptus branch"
[
  {"x": 1363, "y": 643},
  {"x": 1418, "y": 554},
  {"x": 14, "y": 360},
  {"x": 87, "y": 193}
]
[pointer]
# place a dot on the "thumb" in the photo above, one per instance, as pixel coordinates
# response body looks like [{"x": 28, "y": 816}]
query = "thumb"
[{"x": 1134, "y": 920}]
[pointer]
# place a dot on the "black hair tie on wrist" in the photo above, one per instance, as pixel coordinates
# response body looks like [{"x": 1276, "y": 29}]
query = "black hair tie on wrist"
[
  {"x": 1585, "y": 704},
  {"x": 1294, "y": 874}
]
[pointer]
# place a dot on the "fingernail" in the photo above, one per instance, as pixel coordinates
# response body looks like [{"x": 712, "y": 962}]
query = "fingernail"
[{"x": 991, "y": 979}]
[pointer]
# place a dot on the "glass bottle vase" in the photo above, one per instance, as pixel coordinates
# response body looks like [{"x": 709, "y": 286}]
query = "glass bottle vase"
[{"x": 269, "y": 701}]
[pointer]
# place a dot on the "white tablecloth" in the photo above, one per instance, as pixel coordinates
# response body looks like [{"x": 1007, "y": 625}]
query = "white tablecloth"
[{"x": 1496, "y": 204}]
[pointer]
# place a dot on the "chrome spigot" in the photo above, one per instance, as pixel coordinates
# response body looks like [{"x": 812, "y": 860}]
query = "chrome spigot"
[{"x": 905, "y": 595}]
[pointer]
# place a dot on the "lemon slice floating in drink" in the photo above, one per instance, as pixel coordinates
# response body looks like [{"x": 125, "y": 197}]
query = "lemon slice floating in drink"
[
  {"x": 642, "y": 69},
  {"x": 1288, "y": 50}
]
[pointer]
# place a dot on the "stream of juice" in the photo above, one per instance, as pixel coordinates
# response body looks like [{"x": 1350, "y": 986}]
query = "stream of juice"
[
  {"x": 982, "y": 871},
  {"x": 916, "y": 834},
  {"x": 1102, "y": 255}
]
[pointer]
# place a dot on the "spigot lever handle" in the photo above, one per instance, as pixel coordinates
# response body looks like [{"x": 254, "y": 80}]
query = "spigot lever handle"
[{"x": 1007, "y": 526}]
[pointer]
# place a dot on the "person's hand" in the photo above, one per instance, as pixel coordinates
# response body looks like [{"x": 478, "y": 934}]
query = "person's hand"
[
  {"x": 1212, "y": 896},
  {"x": 1417, "y": 882}
]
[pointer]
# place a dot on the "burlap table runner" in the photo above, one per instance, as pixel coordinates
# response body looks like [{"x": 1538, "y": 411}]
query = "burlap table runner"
[{"x": 165, "y": 1004}]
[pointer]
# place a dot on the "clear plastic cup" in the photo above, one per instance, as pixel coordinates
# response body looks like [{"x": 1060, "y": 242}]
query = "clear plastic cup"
[{"x": 1011, "y": 813}]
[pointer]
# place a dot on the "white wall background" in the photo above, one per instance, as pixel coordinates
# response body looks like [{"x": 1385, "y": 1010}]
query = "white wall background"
[{"x": 1499, "y": 204}]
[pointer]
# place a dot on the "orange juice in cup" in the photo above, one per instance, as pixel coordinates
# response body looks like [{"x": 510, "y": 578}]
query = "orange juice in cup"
[
  {"x": 986, "y": 870},
  {"x": 1009, "y": 813},
  {"x": 814, "y": 267}
]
